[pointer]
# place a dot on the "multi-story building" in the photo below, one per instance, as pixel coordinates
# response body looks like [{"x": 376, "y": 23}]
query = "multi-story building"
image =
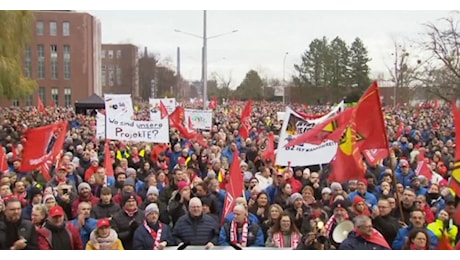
[
  {"x": 64, "y": 58},
  {"x": 119, "y": 70}
]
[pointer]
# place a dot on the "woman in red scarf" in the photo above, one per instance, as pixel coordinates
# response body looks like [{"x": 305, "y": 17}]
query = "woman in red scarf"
[
  {"x": 417, "y": 239},
  {"x": 284, "y": 233}
]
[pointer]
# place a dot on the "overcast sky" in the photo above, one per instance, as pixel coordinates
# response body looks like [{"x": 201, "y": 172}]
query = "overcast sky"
[{"x": 263, "y": 37}]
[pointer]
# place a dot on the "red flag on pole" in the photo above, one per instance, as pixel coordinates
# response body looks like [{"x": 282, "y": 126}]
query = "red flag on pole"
[
  {"x": 163, "y": 110},
  {"x": 42, "y": 144},
  {"x": 3, "y": 161},
  {"x": 454, "y": 182},
  {"x": 108, "y": 160},
  {"x": 245, "y": 117},
  {"x": 269, "y": 152},
  {"x": 40, "y": 105},
  {"x": 234, "y": 186}
]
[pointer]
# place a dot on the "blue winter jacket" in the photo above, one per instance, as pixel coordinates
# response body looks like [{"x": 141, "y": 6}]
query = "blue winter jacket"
[
  {"x": 400, "y": 239},
  {"x": 355, "y": 242},
  {"x": 142, "y": 240},
  {"x": 85, "y": 231},
  {"x": 255, "y": 237}
]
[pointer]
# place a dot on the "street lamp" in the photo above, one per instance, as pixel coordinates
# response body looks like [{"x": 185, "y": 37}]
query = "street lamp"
[
  {"x": 205, "y": 56},
  {"x": 284, "y": 77}
]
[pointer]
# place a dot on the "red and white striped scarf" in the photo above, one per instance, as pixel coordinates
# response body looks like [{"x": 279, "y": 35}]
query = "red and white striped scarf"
[
  {"x": 278, "y": 240},
  {"x": 155, "y": 235},
  {"x": 234, "y": 233},
  {"x": 330, "y": 223}
]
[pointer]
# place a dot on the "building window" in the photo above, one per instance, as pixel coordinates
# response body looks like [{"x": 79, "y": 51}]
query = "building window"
[
  {"x": 29, "y": 101},
  {"x": 67, "y": 97},
  {"x": 111, "y": 76},
  {"x": 41, "y": 61},
  {"x": 54, "y": 61},
  {"x": 15, "y": 103},
  {"x": 103, "y": 75},
  {"x": 66, "y": 61},
  {"x": 118, "y": 75},
  {"x": 103, "y": 54},
  {"x": 53, "y": 28},
  {"x": 42, "y": 94},
  {"x": 28, "y": 61},
  {"x": 55, "y": 96},
  {"x": 118, "y": 54},
  {"x": 65, "y": 29},
  {"x": 110, "y": 54},
  {"x": 40, "y": 28}
]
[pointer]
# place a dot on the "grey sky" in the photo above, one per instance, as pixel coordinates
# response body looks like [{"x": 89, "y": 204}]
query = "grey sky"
[{"x": 263, "y": 37}]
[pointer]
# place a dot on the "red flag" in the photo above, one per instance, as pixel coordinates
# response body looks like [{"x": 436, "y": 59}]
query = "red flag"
[
  {"x": 213, "y": 103},
  {"x": 348, "y": 162},
  {"x": 176, "y": 118},
  {"x": 45, "y": 170},
  {"x": 269, "y": 152},
  {"x": 108, "y": 160},
  {"x": 245, "y": 117},
  {"x": 3, "y": 161},
  {"x": 190, "y": 124},
  {"x": 42, "y": 144},
  {"x": 370, "y": 125},
  {"x": 41, "y": 107},
  {"x": 399, "y": 133},
  {"x": 163, "y": 110},
  {"x": 422, "y": 166},
  {"x": 234, "y": 187},
  {"x": 52, "y": 104},
  {"x": 454, "y": 182}
]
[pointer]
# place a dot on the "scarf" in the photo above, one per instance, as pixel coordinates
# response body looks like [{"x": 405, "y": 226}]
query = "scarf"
[
  {"x": 375, "y": 238},
  {"x": 234, "y": 233},
  {"x": 105, "y": 243},
  {"x": 155, "y": 235},
  {"x": 131, "y": 213},
  {"x": 278, "y": 240}
]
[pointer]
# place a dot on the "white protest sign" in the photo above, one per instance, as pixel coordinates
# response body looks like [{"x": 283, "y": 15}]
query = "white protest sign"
[
  {"x": 305, "y": 154},
  {"x": 169, "y": 103},
  {"x": 119, "y": 106},
  {"x": 200, "y": 119},
  {"x": 138, "y": 131},
  {"x": 100, "y": 126}
]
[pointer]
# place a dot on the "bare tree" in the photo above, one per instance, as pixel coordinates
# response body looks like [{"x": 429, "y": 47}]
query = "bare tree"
[{"x": 443, "y": 41}]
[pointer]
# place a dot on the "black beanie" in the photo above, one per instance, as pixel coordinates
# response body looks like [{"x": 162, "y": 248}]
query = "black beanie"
[{"x": 126, "y": 197}]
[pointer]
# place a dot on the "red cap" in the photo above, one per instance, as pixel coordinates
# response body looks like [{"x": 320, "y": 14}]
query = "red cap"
[
  {"x": 62, "y": 168},
  {"x": 363, "y": 181},
  {"x": 103, "y": 222},
  {"x": 164, "y": 166},
  {"x": 56, "y": 211}
]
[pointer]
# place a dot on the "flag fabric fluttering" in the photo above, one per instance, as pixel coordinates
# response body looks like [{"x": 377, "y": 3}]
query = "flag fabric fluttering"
[
  {"x": 245, "y": 123},
  {"x": 234, "y": 187},
  {"x": 42, "y": 145},
  {"x": 108, "y": 160}
]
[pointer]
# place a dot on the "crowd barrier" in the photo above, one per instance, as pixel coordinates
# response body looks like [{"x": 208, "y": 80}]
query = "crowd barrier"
[{"x": 224, "y": 248}]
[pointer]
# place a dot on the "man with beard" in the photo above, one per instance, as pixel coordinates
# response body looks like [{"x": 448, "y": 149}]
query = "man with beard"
[
  {"x": 126, "y": 221},
  {"x": 370, "y": 198},
  {"x": 84, "y": 195},
  {"x": 84, "y": 222},
  {"x": 166, "y": 192},
  {"x": 417, "y": 220},
  {"x": 16, "y": 233},
  {"x": 120, "y": 179},
  {"x": 386, "y": 224},
  {"x": 56, "y": 234},
  {"x": 407, "y": 205}
]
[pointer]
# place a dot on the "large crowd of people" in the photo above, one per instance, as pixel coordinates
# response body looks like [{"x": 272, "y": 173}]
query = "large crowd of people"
[{"x": 173, "y": 195}]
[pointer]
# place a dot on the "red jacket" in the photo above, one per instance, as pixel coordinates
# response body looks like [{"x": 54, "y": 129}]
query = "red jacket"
[
  {"x": 45, "y": 241},
  {"x": 429, "y": 215},
  {"x": 295, "y": 184}
]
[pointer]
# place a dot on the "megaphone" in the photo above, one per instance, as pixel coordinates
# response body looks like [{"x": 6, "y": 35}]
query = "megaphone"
[{"x": 341, "y": 231}]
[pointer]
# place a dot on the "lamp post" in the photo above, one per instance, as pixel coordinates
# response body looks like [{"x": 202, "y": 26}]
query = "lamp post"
[
  {"x": 204, "y": 62},
  {"x": 284, "y": 77}
]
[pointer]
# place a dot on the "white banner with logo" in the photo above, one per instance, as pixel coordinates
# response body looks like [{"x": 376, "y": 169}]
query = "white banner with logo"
[
  {"x": 119, "y": 106},
  {"x": 100, "y": 126},
  {"x": 169, "y": 103},
  {"x": 200, "y": 119},
  {"x": 305, "y": 154},
  {"x": 138, "y": 131}
]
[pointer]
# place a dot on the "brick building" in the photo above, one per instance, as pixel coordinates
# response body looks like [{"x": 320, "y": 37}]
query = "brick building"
[
  {"x": 64, "y": 58},
  {"x": 120, "y": 69}
]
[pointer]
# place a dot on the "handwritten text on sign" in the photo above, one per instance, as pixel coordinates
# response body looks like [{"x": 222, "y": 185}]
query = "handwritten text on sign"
[{"x": 138, "y": 131}]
